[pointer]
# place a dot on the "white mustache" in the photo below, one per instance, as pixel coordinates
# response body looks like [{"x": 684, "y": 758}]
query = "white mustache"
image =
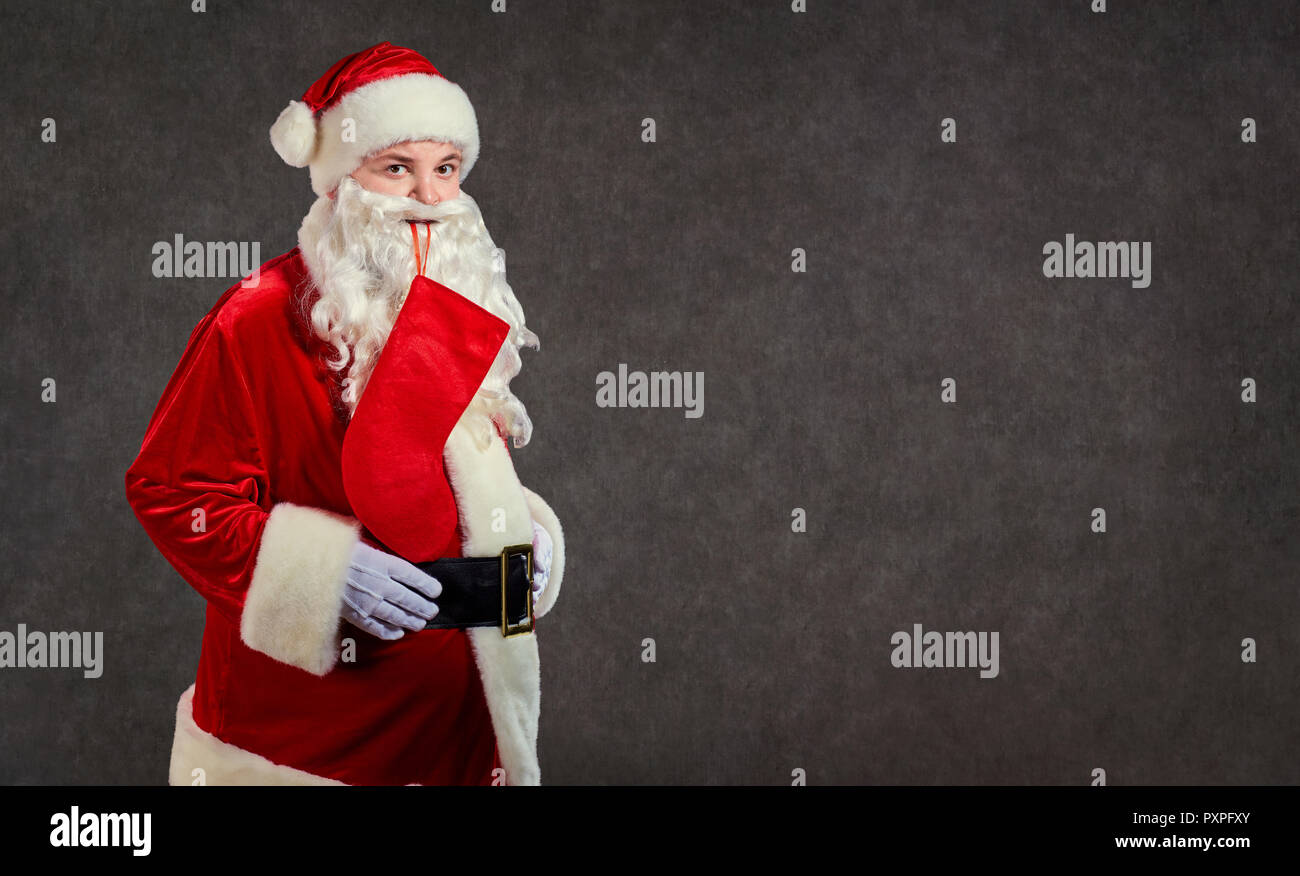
[{"x": 394, "y": 208}]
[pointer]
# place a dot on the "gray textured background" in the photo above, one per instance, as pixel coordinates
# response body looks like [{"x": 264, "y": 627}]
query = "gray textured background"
[{"x": 775, "y": 130}]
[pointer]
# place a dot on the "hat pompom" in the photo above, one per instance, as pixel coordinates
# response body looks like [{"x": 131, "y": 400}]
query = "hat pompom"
[{"x": 294, "y": 134}]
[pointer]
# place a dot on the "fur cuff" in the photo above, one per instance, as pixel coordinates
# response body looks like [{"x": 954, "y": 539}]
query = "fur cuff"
[
  {"x": 291, "y": 612},
  {"x": 543, "y": 514}
]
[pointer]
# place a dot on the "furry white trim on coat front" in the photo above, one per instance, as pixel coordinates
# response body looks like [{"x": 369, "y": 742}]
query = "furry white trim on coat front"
[
  {"x": 221, "y": 763},
  {"x": 488, "y": 491},
  {"x": 292, "y": 608},
  {"x": 414, "y": 106}
]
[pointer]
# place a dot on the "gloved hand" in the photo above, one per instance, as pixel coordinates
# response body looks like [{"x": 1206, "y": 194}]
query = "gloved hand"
[
  {"x": 542, "y": 545},
  {"x": 385, "y": 595}
]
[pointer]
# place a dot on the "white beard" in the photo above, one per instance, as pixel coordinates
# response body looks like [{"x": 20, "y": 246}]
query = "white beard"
[{"x": 359, "y": 252}]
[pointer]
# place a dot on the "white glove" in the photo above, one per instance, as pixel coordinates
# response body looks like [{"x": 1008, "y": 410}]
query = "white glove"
[
  {"x": 385, "y": 595},
  {"x": 541, "y": 559}
]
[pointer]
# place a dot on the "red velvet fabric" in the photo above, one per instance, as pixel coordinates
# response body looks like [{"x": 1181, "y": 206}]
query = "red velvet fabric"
[
  {"x": 252, "y": 417},
  {"x": 369, "y": 65},
  {"x": 392, "y": 453}
]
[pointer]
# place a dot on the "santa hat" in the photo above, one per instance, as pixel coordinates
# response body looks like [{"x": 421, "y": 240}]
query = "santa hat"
[{"x": 391, "y": 95}]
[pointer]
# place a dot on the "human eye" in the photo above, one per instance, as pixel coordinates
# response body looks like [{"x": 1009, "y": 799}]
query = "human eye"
[
  {"x": 395, "y": 169},
  {"x": 451, "y": 168}
]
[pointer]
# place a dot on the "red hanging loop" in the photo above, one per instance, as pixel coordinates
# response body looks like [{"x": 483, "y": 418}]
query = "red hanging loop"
[{"x": 415, "y": 243}]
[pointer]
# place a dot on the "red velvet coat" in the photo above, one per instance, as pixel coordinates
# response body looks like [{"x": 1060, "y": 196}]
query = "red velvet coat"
[{"x": 240, "y": 483}]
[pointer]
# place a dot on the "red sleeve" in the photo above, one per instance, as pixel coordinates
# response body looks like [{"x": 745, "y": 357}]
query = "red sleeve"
[{"x": 198, "y": 485}]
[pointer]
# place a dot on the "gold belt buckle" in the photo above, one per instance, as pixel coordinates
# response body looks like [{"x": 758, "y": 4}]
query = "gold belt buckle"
[{"x": 506, "y": 552}]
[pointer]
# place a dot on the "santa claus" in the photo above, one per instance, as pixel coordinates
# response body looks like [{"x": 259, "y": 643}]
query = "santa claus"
[{"x": 329, "y": 467}]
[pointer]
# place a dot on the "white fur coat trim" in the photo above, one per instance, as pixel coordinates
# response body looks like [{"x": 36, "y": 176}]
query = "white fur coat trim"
[
  {"x": 496, "y": 511},
  {"x": 199, "y": 758}
]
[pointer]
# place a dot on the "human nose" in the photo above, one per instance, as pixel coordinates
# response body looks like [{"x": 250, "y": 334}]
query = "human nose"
[{"x": 426, "y": 192}]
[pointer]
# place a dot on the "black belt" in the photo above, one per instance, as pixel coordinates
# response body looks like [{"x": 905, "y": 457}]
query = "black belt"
[{"x": 485, "y": 591}]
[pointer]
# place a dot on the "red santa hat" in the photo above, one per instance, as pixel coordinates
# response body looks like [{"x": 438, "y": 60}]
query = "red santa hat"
[{"x": 391, "y": 95}]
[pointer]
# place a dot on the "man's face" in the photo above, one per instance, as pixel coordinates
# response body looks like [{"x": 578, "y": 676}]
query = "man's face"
[
  {"x": 363, "y": 258},
  {"x": 422, "y": 170}
]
